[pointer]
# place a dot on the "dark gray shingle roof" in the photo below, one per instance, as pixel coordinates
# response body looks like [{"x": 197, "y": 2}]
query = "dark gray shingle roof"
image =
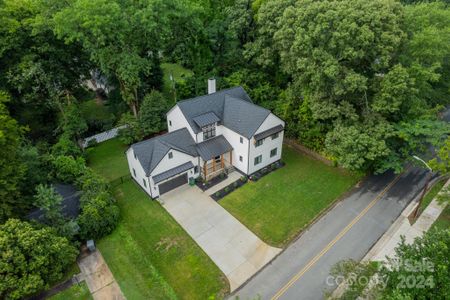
[
  {"x": 238, "y": 114},
  {"x": 172, "y": 172},
  {"x": 268, "y": 132},
  {"x": 213, "y": 147},
  {"x": 243, "y": 117},
  {"x": 206, "y": 119},
  {"x": 150, "y": 152}
]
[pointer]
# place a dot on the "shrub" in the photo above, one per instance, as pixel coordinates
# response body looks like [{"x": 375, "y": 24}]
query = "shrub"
[
  {"x": 217, "y": 194},
  {"x": 235, "y": 184},
  {"x": 99, "y": 216},
  {"x": 67, "y": 169},
  {"x": 92, "y": 143},
  {"x": 243, "y": 178},
  {"x": 66, "y": 147},
  {"x": 133, "y": 132},
  {"x": 226, "y": 189}
]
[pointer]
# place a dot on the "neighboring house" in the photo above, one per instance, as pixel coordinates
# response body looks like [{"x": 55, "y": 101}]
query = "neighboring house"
[
  {"x": 208, "y": 135},
  {"x": 70, "y": 205}
]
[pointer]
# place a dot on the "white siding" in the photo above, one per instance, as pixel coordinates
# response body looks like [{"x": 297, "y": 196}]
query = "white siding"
[
  {"x": 178, "y": 121},
  {"x": 165, "y": 164},
  {"x": 238, "y": 149},
  {"x": 133, "y": 163},
  {"x": 268, "y": 144}
]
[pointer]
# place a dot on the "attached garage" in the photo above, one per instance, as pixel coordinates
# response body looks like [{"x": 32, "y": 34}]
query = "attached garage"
[{"x": 172, "y": 183}]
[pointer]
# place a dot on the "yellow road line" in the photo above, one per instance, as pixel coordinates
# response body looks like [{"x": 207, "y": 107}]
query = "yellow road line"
[{"x": 334, "y": 241}]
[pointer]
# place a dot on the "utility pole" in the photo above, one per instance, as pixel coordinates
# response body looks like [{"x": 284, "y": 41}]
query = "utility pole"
[{"x": 425, "y": 188}]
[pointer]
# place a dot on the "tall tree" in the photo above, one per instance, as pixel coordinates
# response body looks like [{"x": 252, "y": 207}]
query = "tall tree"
[
  {"x": 123, "y": 37},
  {"x": 31, "y": 259},
  {"x": 38, "y": 70},
  {"x": 11, "y": 167}
]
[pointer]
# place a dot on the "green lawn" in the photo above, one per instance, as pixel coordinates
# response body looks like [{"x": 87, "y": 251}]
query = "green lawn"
[
  {"x": 443, "y": 222},
  {"x": 281, "y": 204},
  {"x": 108, "y": 159},
  {"x": 150, "y": 255},
  {"x": 179, "y": 74},
  {"x": 75, "y": 292},
  {"x": 431, "y": 194}
]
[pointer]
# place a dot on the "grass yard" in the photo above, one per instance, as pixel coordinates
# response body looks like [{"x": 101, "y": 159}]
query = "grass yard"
[
  {"x": 282, "y": 203},
  {"x": 179, "y": 74},
  {"x": 443, "y": 222},
  {"x": 108, "y": 159},
  {"x": 75, "y": 292},
  {"x": 150, "y": 255},
  {"x": 431, "y": 194}
]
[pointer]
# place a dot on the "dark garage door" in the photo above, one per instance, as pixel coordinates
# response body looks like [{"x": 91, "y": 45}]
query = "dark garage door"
[{"x": 173, "y": 183}]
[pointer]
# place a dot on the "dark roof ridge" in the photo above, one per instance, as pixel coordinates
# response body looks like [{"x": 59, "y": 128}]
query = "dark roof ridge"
[{"x": 220, "y": 91}]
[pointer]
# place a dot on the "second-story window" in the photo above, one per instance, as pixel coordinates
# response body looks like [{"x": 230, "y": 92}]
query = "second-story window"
[{"x": 209, "y": 131}]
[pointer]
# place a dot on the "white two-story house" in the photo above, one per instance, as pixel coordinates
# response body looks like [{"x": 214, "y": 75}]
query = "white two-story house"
[{"x": 208, "y": 135}]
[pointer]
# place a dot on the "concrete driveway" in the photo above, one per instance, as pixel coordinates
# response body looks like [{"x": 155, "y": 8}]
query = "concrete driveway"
[{"x": 234, "y": 249}]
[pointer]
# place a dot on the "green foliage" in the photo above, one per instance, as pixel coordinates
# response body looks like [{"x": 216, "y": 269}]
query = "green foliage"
[
  {"x": 66, "y": 146},
  {"x": 442, "y": 162},
  {"x": 73, "y": 123},
  {"x": 12, "y": 169},
  {"x": 152, "y": 116},
  {"x": 99, "y": 216},
  {"x": 37, "y": 169},
  {"x": 419, "y": 271},
  {"x": 67, "y": 168},
  {"x": 132, "y": 132},
  {"x": 31, "y": 259}
]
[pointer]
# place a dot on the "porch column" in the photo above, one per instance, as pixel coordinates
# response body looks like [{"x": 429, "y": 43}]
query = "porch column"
[
  {"x": 221, "y": 161},
  {"x": 231, "y": 158},
  {"x": 214, "y": 164},
  {"x": 204, "y": 168}
]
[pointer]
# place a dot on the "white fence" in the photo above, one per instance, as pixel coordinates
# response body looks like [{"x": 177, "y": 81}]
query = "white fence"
[{"x": 103, "y": 136}]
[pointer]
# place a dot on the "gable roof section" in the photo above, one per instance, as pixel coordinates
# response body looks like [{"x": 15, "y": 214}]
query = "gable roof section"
[
  {"x": 214, "y": 102},
  {"x": 150, "y": 152},
  {"x": 206, "y": 119},
  {"x": 243, "y": 117}
]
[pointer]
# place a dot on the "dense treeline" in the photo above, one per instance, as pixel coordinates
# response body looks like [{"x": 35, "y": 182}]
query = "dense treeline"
[{"x": 360, "y": 81}]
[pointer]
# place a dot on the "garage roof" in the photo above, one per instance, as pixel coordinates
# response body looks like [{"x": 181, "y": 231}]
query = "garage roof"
[{"x": 172, "y": 172}]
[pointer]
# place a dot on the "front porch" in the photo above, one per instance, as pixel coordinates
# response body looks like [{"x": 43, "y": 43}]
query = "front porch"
[
  {"x": 217, "y": 165},
  {"x": 216, "y": 157}
]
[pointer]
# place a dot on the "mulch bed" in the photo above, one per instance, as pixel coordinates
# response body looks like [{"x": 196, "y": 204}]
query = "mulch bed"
[
  {"x": 210, "y": 183},
  {"x": 266, "y": 170},
  {"x": 229, "y": 188}
]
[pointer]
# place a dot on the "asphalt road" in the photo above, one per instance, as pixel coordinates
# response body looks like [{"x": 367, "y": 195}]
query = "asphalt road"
[{"x": 347, "y": 231}]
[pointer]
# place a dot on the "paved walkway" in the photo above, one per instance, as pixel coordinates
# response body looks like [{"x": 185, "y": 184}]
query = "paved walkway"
[
  {"x": 98, "y": 277},
  {"x": 232, "y": 177},
  {"x": 402, "y": 227},
  {"x": 234, "y": 249}
]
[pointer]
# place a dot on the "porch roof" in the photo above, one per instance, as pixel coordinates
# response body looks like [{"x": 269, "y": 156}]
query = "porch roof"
[
  {"x": 268, "y": 132},
  {"x": 206, "y": 119},
  {"x": 213, "y": 147},
  {"x": 172, "y": 172}
]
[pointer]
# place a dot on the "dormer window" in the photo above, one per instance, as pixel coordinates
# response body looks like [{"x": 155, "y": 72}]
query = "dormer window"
[
  {"x": 209, "y": 131},
  {"x": 170, "y": 155}
]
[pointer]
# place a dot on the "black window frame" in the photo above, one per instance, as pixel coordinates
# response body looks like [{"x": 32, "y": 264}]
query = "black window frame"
[
  {"x": 134, "y": 172},
  {"x": 273, "y": 154},
  {"x": 259, "y": 142},
  {"x": 145, "y": 183},
  {"x": 195, "y": 169},
  {"x": 170, "y": 155},
  {"x": 209, "y": 131},
  {"x": 241, "y": 139},
  {"x": 257, "y": 160},
  {"x": 275, "y": 135},
  {"x": 241, "y": 159},
  {"x": 170, "y": 122}
]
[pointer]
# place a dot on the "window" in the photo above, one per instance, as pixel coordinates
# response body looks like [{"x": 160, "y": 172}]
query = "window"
[
  {"x": 170, "y": 155},
  {"x": 134, "y": 172},
  {"x": 135, "y": 157},
  {"x": 195, "y": 169},
  {"x": 209, "y": 131},
  {"x": 145, "y": 183},
  {"x": 170, "y": 123},
  {"x": 241, "y": 139},
  {"x": 259, "y": 143},
  {"x": 258, "y": 159},
  {"x": 217, "y": 159},
  {"x": 275, "y": 135},
  {"x": 273, "y": 152},
  {"x": 240, "y": 158}
]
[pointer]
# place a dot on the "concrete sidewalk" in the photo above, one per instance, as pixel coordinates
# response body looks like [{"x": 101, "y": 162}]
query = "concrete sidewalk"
[
  {"x": 402, "y": 227},
  {"x": 98, "y": 277}
]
